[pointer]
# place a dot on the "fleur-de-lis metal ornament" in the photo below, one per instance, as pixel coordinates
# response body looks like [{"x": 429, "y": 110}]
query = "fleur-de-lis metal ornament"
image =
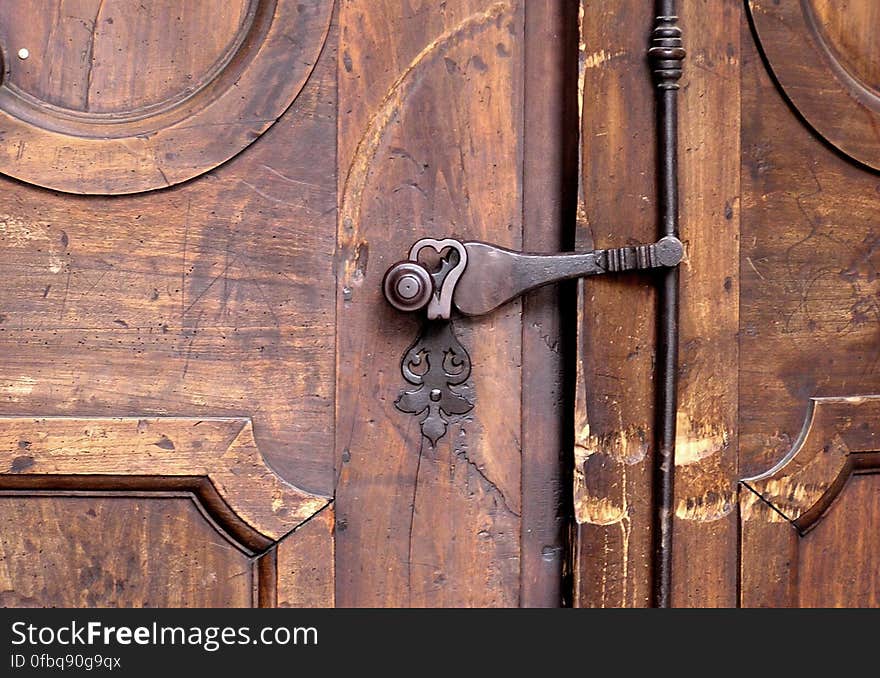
[
  {"x": 479, "y": 277},
  {"x": 436, "y": 363}
]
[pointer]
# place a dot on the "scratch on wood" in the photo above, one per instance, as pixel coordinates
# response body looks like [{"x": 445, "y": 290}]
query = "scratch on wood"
[
  {"x": 183, "y": 269},
  {"x": 791, "y": 498},
  {"x": 599, "y": 510},
  {"x": 600, "y": 57},
  {"x": 709, "y": 506},
  {"x": 754, "y": 508},
  {"x": 18, "y": 387},
  {"x": 90, "y": 55},
  {"x": 752, "y": 266},
  {"x": 359, "y": 170},
  {"x": 696, "y": 441},
  {"x": 17, "y": 232}
]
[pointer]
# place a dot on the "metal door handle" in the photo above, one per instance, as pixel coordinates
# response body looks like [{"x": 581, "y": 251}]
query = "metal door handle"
[{"x": 478, "y": 277}]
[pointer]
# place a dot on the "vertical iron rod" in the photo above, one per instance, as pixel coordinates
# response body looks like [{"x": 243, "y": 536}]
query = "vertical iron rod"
[{"x": 665, "y": 55}]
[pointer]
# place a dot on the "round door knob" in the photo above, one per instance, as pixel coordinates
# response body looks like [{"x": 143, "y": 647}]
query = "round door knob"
[{"x": 408, "y": 286}]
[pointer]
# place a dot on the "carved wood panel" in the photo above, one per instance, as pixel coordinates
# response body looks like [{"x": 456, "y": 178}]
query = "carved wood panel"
[
  {"x": 210, "y": 300},
  {"x": 123, "y": 97},
  {"x": 824, "y": 54},
  {"x": 810, "y": 524},
  {"x": 154, "y": 512},
  {"x": 119, "y": 549},
  {"x": 808, "y": 320}
]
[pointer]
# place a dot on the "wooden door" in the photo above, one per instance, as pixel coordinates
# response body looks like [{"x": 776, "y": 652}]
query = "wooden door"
[
  {"x": 167, "y": 306},
  {"x": 778, "y": 420},
  {"x": 198, "y": 201}
]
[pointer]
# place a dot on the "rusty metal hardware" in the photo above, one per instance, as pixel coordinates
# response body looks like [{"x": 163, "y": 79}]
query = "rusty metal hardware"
[
  {"x": 477, "y": 278},
  {"x": 665, "y": 57},
  {"x": 409, "y": 286},
  {"x": 438, "y": 366}
]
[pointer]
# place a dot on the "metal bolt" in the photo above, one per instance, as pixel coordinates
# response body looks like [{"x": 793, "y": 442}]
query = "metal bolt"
[{"x": 408, "y": 286}]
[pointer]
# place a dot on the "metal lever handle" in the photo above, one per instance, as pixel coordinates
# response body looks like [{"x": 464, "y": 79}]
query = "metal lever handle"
[{"x": 478, "y": 277}]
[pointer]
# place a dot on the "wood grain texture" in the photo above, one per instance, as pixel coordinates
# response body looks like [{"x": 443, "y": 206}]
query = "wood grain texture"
[
  {"x": 213, "y": 298},
  {"x": 850, "y": 29},
  {"x": 851, "y": 578},
  {"x": 808, "y": 330},
  {"x": 429, "y": 145},
  {"x": 305, "y": 564},
  {"x": 821, "y": 55},
  {"x": 809, "y": 524},
  {"x": 615, "y": 393},
  {"x": 211, "y": 302},
  {"x": 802, "y": 485},
  {"x": 221, "y": 450},
  {"x": 810, "y": 254},
  {"x": 706, "y": 474},
  {"x": 128, "y": 96},
  {"x": 550, "y": 171},
  {"x": 80, "y": 52},
  {"x": 115, "y": 550}
]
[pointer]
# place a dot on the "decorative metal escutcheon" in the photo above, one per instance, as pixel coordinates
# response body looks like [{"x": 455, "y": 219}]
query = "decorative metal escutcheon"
[{"x": 477, "y": 278}]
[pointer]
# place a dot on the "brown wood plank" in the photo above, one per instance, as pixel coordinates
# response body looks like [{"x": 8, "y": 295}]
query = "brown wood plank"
[
  {"x": 549, "y": 203},
  {"x": 838, "y": 558},
  {"x": 429, "y": 145},
  {"x": 769, "y": 555},
  {"x": 615, "y": 396},
  {"x": 809, "y": 524},
  {"x": 117, "y": 551},
  {"x": 305, "y": 564},
  {"x": 705, "y": 525}
]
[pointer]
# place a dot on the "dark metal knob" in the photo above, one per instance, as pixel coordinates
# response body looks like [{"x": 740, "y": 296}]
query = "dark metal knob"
[
  {"x": 408, "y": 286},
  {"x": 669, "y": 251}
]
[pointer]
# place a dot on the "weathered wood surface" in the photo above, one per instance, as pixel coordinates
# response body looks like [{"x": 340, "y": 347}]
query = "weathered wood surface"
[
  {"x": 168, "y": 368},
  {"x": 154, "y": 512},
  {"x": 129, "y": 96},
  {"x": 430, "y": 145},
  {"x": 118, "y": 550},
  {"x": 615, "y": 406},
  {"x": 809, "y": 525},
  {"x": 616, "y": 322},
  {"x": 213, "y": 298},
  {"x": 810, "y": 262},
  {"x": 824, "y": 54},
  {"x": 221, "y": 450},
  {"x": 777, "y": 290},
  {"x": 706, "y": 472},
  {"x": 808, "y": 330},
  {"x": 837, "y": 432},
  {"x": 305, "y": 564}
]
